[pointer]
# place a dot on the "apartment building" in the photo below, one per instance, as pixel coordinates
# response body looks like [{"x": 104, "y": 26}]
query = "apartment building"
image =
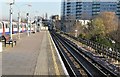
[{"x": 78, "y": 9}]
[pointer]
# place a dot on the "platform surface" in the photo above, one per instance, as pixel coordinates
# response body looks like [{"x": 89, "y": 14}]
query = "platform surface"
[{"x": 33, "y": 55}]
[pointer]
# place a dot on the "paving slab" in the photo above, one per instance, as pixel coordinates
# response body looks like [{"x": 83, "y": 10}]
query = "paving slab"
[{"x": 31, "y": 56}]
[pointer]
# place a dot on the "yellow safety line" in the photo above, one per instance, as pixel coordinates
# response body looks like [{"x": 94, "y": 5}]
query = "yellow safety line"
[{"x": 54, "y": 60}]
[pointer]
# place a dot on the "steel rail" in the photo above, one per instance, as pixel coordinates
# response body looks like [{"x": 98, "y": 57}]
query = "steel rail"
[
  {"x": 103, "y": 68},
  {"x": 91, "y": 70},
  {"x": 72, "y": 70}
]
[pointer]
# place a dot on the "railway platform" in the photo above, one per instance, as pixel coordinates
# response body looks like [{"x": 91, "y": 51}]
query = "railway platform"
[{"x": 33, "y": 55}]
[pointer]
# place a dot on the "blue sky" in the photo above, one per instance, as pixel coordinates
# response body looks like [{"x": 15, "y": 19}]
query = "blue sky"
[{"x": 39, "y": 7}]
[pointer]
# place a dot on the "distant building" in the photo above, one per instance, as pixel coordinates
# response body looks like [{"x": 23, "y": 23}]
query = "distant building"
[
  {"x": 56, "y": 22},
  {"x": 55, "y": 17},
  {"x": 118, "y": 9},
  {"x": 84, "y": 22},
  {"x": 86, "y": 10}
]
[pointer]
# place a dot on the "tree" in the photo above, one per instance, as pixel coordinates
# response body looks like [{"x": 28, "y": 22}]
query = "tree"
[
  {"x": 118, "y": 33},
  {"x": 23, "y": 20},
  {"x": 69, "y": 23},
  {"x": 98, "y": 27},
  {"x": 77, "y": 26},
  {"x": 57, "y": 24},
  {"x": 110, "y": 22},
  {"x": 85, "y": 16},
  {"x": 104, "y": 28}
]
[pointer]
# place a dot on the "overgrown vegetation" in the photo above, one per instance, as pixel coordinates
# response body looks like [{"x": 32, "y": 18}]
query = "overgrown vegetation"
[{"x": 103, "y": 29}]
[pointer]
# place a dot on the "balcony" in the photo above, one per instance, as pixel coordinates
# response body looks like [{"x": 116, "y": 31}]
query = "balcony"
[
  {"x": 96, "y": 3},
  {"x": 94, "y": 14},
  {"x": 68, "y": 12},
  {"x": 68, "y": 8},
  {"x": 78, "y": 8},
  {"x": 95, "y": 7},
  {"x": 118, "y": 14},
  {"x": 95, "y": 11},
  {"x": 78, "y": 3},
  {"x": 78, "y": 11},
  {"x": 118, "y": 3},
  {"x": 118, "y": 11},
  {"x": 68, "y": 3},
  {"x": 118, "y": 6},
  {"x": 78, "y": 15}
]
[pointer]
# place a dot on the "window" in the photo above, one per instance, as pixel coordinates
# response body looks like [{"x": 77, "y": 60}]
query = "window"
[
  {"x": 15, "y": 26},
  {"x": 0, "y": 25},
  {"x": 6, "y": 25}
]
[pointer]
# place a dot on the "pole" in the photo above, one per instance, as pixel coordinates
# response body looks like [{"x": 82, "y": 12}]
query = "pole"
[
  {"x": 76, "y": 33},
  {"x": 28, "y": 24},
  {"x": 35, "y": 24},
  {"x": 19, "y": 25},
  {"x": 10, "y": 21},
  {"x": 40, "y": 24}
]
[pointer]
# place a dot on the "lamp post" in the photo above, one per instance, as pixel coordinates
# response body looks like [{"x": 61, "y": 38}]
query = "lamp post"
[
  {"x": 19, "y": 17},
  {"x": 35, "y": 27},
  {"x": 28, "y": 24},
  {"x": 37, "y": 22},
  {"x": 11, "y": 3},
  {"x": 19, "y": 20},
  {"x": 76, "y": 33}
]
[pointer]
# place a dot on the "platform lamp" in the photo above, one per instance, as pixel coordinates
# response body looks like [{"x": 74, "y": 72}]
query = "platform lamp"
[
  {"x": 28, "y": 24},
  {"x": 19, "y": 20},
  {"x": 11, "y": 2}
]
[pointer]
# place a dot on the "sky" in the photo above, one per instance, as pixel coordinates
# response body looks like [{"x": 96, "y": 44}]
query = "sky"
[{"x": 38, "y": 8}]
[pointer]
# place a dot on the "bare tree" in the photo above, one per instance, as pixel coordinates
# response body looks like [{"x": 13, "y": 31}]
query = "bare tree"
[
  {"x": 118, "y": 33},
  {"x": 58, "y": 24},
  {"x": 110, "y": 21},
  {"x": 77, "y": 26},
  {"x": 69, "y": 22},
  {"x": 85, "y": 16}
]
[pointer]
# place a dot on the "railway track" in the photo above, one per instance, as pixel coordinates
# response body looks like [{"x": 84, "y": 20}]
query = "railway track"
[
  {"x": 77, "y": 62},
  {"x": 113, "y": 53}
]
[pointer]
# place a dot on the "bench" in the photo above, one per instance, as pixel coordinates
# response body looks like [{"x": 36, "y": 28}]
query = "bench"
[{"x": 6, "y": 40}]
